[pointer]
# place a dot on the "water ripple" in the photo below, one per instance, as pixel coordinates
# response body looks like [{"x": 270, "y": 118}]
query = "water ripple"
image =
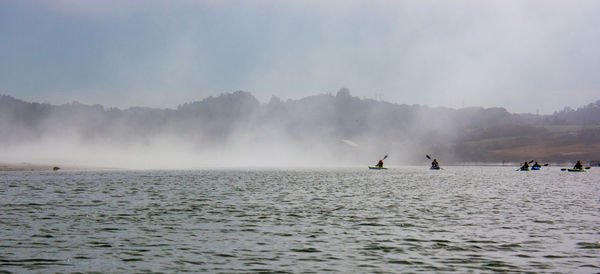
[{"x": 305, "y": 220}]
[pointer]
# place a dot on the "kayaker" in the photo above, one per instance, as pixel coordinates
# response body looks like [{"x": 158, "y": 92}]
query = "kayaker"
[
  {"x": 525, "y": 166},
  {"x": 578, "y": 165},
  {"x": 380, "y": 164},
  {"x": 536, "y": 165},
  {"x": 435, "y": 163}
]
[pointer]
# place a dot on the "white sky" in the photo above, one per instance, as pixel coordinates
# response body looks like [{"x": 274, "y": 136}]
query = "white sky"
[{"x": 526, "y": 56}]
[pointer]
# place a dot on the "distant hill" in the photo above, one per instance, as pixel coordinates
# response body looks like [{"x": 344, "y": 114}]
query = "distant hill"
[{"x": 348, "y": 128}]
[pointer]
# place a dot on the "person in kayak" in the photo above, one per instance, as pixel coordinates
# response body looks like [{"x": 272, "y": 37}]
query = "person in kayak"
[
  {"x": 380, "y": 164},
  {"x": 536, "y": 165},
  {"x": 435, "y": 163},
  {"x": 578, "y": 165},
  {"x": 525, "y": 166}
]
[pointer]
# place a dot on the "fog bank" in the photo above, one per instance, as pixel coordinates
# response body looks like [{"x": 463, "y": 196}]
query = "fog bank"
[{"x": 235, "y": 130}]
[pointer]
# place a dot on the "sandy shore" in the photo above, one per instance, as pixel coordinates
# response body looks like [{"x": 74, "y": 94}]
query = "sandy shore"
[
  {"x": 24, "y": 167},
  {"x": 43, "y": 167}
]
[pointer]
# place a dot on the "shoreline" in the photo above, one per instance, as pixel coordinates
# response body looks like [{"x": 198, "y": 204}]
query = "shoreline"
[{"x": 25, "y": 166}]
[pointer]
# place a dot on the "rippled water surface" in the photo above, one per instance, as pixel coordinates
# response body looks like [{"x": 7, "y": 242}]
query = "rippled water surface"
[{"x": 405, "y": 219}]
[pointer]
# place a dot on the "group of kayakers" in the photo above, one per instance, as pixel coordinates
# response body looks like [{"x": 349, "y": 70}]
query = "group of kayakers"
[
  {"x": 537, "y": 166},
  {"x": 525, "y": 166},
  {"x": 434, "y": 164}
]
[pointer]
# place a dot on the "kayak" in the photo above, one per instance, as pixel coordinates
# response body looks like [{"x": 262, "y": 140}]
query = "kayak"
[
  {"x": 435, "y": 167},
  {"x": 576, "y": 170},
  {"x": 376, "y": 167},
  {"x": 536, "y": 168},
  {"x": 524, "y": 169}
]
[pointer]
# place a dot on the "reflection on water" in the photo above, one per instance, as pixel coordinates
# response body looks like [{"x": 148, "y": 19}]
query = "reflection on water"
[{"x": 403, "y": 219}]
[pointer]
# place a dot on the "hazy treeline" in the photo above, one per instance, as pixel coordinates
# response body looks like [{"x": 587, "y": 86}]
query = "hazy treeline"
[
  {"x": 235, "y": 128},
  {"x": 589, "y": 114}
]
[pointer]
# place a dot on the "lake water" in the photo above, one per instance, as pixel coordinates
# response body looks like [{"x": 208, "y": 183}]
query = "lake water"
[{"x": 406, "y": 219}]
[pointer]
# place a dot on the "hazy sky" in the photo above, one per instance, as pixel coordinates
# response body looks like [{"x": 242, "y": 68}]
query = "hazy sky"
[{"x": 522, "y": 55}]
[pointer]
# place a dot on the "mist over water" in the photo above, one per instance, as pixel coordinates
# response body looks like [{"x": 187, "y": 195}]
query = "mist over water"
[
  {"x": 407, "y": 219},
  {"x": 234, "y": 129},
  {"x": 172, "y": 152},
  {"x": 230, "y": 130}
]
